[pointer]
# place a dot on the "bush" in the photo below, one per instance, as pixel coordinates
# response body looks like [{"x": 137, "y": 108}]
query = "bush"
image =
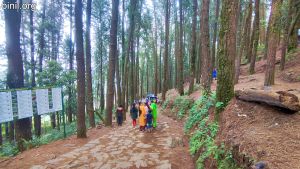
[
  {"x": 165, "y": 104},
  {"x": 182, "y": 104},
  {"x": 202, "y": 139},
  {"x": 9, "y": 149}
]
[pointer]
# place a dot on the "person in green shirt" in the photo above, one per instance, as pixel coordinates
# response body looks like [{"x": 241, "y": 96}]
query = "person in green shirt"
[{"x": 153, "y": 107}]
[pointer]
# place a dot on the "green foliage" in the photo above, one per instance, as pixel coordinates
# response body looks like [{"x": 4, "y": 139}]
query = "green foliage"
[
  {"x": 9, "y": 149},
  {"x": 199, "y": 111},
  {"x": 202, "y": 140},
  {"x": 51, "y": 136},
  {"x": 182, "y": 103},
  {"x": 165, "y": 104},
  {"x": 54, "y": 75}
]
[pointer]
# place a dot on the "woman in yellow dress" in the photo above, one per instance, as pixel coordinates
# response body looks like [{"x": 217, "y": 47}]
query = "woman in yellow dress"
[{"x": 142, "y": 116}]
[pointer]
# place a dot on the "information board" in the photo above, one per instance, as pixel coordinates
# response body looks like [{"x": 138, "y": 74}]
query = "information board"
[
  {"x": 6, "y": 113},
  {"x": 42, "y": 101},
  {"x": 56, "y": 97},
  {"x": 24, "y": 99}
]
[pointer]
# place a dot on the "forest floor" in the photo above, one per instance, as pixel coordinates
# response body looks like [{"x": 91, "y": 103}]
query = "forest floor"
[
  {"x": 115, "y": 147},
  {"x": 260, "y": 132}
]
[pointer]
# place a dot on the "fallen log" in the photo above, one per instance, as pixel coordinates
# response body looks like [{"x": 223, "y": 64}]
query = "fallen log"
[{"x": 281, "y": 99}]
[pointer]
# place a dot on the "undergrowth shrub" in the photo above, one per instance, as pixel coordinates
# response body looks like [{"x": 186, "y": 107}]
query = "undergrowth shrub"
[
  {"x": 182, "y": 104},
  {"x": 165, "y": 103},
  {"x": 10, "y": 149},
  {"x": 203, "y": 132}
]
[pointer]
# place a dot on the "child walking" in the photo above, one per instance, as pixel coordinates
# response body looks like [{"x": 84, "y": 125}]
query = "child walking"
[
  {"x": 120, "y": 112},
  {"x": 149, "y": 119},
  {"x": 153, "y": 108},
  {"x": 134, "y": 114},
  {"x": 142, "y": 117}
]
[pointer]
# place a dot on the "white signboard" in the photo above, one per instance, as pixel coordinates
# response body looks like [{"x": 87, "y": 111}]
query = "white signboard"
[
  {"x": 6, "y": 112},
  {"x": 56, "y": 98},
  {"x": 24, "y": 99},
  {"x": 42, "y": 101}
]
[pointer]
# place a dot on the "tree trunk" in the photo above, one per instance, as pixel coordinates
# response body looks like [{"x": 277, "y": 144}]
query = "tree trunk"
[
  {"x": 137, "y": 67},
  {"x": 177, "y": 46},
  {"x": 193, "y": 47},
  {"x": 226, "y": 52},
  {"x": 249, "y": 42},
  {"x": 102, "y": 82},
  {"x": 166, "y": 54},
  {"x": 155, "y": 56},
  {"x": 124, "y": 58},
  {"x": 11, "y": 131},
  {"x": 37, "y": 118},
  {"x": 15, "y": 72},
  {"x": 130, "y": 50},
  {"x": 286, "y": 35},
  {"x": 272, "y": 42},
  {"x": 119, "y": 92},
  {"x": 24, "y": 50},
  {"x": 240, "y": 42},
  {"x": 293, "y": 31},
  {"x": 160, "y": 62},
  {"x": 89, "y": 86},
  {"x": 81, "y": 127},
  {"x": 205, "y": 49},
  {"x": 1, "y": 140},
  {"x": 112, "y": 62},
  {"x": 180, "y": 82},
  {"x": 71, "y": 58},
  {"x": 255, "y": 38},
  {"x": 213, "y": 53},
  {"x": 262, "y": 29}
]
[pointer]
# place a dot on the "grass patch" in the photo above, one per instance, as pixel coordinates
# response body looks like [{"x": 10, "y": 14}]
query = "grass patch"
[{"x": 10, "y": 149}]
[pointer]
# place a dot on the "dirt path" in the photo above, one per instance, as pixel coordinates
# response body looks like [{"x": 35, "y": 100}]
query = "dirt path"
[{"x": 123, "y": 147}]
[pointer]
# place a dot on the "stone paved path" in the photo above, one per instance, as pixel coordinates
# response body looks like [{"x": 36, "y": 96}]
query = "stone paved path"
[{"x": 126, "y": 147}]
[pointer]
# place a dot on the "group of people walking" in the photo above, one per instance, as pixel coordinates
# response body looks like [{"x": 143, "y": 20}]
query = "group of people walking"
[{"x": 145, "y": 112}]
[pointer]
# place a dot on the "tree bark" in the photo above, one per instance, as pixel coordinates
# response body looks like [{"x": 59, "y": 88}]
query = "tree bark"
[
  {"x": 272, "y": 42},
  {"x": 124, "y": 58},
  {"x": 180, "y": 82},
  {"x": 118, "y": 78},
  {"x": 111, "y": 63},
  {"x": 213, "y": 53},
  {"x": 286, "y": 35},
  {"x": 249, "y": 42},
  {"x": 155, "y": 56},
  {"x": 226, "y": 52},
  {"x": 37, "y": 118},
  {"x": 81, "y": 127},
  {"x": 71, "y": 58},
  {"x": 193, "y": 47},
  {"x": 240, "y": 42},
  {"x": 15, "y": 72},
  {"x": 1, "y": 140},
  {"x": 255, "y": 38},
  {"x": 205, "y": 49},
  {"x": 262, "y": 29},
  {"x": 166, "y": 52},
  {"x": 89, "y": 86},
  {"x": 281, "y": 99}
]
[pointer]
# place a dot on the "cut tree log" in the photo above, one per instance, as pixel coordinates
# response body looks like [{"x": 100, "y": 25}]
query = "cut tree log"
[{"x": 281, "y": 99}]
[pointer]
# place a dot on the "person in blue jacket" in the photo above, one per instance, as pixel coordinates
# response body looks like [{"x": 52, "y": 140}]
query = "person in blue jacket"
[{"x": 214, "y": 74}]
